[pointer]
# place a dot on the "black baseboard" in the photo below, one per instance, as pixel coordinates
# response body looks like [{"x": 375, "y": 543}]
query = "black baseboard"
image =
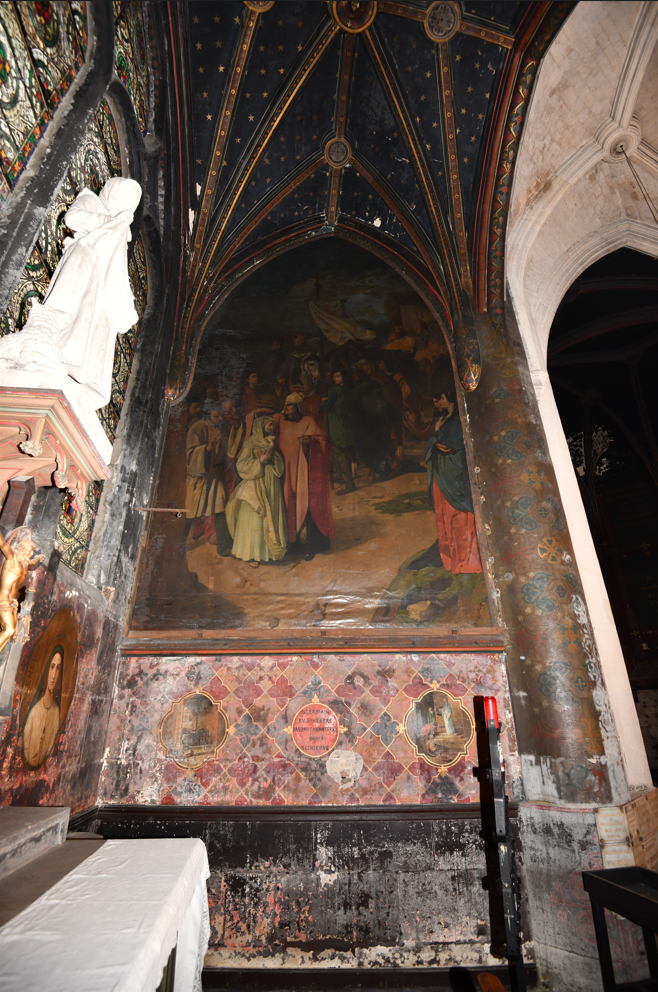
[
  {"x": 122, "y": 813},
  {"x": 355, "y": 979},
  {"x": 84, "y": 820}
]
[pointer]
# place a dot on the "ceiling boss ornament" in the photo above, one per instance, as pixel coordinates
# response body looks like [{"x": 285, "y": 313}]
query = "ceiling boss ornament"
[
  {"x": 260, "y": 6},
  {"x": 442, "y": 20},
  {"x": 337, "y": 152},
  {"x": 353, "y": 16}
]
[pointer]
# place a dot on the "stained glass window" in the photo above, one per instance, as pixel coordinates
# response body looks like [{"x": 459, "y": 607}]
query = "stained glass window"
[
  {"x": 125, "y": 347},
  {"x": 74, "y": 528},
  {"x": 42, "y": 47},
  {"x": 51, "y": 39},
  {"x": 96, "y": 160},
  {"x": 130, "y": 61}
]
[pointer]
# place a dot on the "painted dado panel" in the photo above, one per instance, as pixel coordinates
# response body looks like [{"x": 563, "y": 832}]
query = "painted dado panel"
[{"x": 301, "y": 729}]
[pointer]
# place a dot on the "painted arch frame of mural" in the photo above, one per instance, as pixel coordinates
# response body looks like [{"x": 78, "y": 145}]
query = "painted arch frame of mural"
[{"x": 411, "y": 630}]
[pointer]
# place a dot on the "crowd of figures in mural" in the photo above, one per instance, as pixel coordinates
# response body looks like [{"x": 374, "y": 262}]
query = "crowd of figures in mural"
[{"x": 322, "y": 426}]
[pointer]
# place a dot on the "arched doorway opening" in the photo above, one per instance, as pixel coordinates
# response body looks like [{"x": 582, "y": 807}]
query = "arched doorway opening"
[{"x": 602, "y": 356}]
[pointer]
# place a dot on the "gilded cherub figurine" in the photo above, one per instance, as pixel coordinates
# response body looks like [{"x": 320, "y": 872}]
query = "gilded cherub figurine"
[{"x": 18, "y": 562}]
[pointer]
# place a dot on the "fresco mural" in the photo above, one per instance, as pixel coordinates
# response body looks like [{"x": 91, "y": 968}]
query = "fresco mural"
[
  {"x": 327, "y": 729},
  {"x": 48, "y": 686},
  {"x": 318, "y": 462}
]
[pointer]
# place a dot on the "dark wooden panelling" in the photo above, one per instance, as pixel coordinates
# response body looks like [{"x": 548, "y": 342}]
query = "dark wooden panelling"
[
  {"x": 337, "y": 885},
  {"x": 124, "y": 813},
  {"x": 320, "y": 980}
]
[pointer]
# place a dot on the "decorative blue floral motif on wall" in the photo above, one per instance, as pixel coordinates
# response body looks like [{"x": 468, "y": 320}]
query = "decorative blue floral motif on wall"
[
  {"x": 434, "y": 669},
  {"x": 549, "y": 684},
  {"x": 558, "y": 524},
  {"x": 518, "y": 515},
  {"x": 386, "y": 728},
  {"x": 577, "y": 776},
  {"x": 505, "y": 447},
  {"x": 246, "y": 729},
  {"x": 534, "y": 595},
  {"x": 313, "y": 688}
]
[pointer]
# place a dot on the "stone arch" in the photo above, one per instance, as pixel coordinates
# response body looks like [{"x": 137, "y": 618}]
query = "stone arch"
[
  {"x": 574, "y": 200},
  {"x": 370, "y": 241}
]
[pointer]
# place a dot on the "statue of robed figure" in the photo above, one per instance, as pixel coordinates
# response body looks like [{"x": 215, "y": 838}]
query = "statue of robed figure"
[{"x": 89, "y": 300}]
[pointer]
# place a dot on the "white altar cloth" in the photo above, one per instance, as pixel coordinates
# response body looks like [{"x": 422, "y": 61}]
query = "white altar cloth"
[{"x": 110, "y": 924}]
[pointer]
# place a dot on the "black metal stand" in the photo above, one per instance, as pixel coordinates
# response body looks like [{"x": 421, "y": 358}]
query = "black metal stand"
[
  {"x": 505, "y": 843},
  {"x": 633, "y": 894}
]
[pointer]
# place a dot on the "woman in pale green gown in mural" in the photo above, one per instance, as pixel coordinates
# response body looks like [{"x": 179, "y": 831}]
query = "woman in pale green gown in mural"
[{"x": 255, "y": 513}]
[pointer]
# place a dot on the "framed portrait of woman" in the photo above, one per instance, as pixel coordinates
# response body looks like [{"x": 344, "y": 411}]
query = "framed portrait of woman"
[{"x": 48, "y": 687}]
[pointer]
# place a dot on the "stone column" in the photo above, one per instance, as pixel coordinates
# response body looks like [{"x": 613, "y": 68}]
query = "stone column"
[{"x": 569, "y": 748}]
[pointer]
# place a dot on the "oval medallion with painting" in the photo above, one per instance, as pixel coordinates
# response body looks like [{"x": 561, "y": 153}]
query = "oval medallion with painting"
[
  {"x": 193, "y": 730},
  {"x": 439, "y": 728},
  {"x": 48, "y": 687}
]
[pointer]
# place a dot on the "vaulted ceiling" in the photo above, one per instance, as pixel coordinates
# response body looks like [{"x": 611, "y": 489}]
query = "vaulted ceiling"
[{"x": 385, "y": 123}]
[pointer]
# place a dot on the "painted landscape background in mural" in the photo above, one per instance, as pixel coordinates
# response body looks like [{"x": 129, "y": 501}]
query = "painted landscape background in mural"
[{"x": 319, "y": 459}]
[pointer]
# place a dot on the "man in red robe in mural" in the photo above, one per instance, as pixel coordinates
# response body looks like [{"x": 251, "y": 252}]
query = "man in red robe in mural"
[
  {"x": 306, "y": 451},
  {"x": 449, "y": 490}
]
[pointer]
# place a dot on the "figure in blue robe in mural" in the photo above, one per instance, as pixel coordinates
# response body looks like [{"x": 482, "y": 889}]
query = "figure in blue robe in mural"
[{"x": 449, "y": 491}]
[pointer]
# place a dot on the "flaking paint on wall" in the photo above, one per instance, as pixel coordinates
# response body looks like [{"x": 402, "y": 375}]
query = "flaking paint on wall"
[
  {"x": 260, "y": 762},
  {"x": 69, "y": 776}
]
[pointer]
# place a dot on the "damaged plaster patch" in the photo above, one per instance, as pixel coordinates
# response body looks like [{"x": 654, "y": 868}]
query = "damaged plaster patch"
[
  {"x": 344, "y": 767},
  {"x": 448, "y": 954}
]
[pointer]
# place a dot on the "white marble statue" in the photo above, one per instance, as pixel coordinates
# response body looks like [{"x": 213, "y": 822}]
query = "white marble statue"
[{"x": 89, "y": 300}]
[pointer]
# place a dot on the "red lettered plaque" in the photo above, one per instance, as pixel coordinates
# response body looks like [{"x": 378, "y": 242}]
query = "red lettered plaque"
[{"x": 315, "y": 729}]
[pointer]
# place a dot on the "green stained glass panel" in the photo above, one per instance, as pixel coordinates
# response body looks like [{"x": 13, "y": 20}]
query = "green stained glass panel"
[
  {"x": 79, "y": 12},
  {"x": 130, "y": 62},
  {"x": 53, "y": 44},
  {"x": 110, "y": 137},
  {"x": 74, "y": 528},
  {"x": 125, "y": 347},
  {"x": 32, "y": 285},
  {"x": 51, "y": 240},
  {"x": 23, "y": 112},
  {"x": 91, "y": 165}
]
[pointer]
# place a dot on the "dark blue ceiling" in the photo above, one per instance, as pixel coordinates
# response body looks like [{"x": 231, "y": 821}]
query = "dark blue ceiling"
[{"x": 282, "y": 38}]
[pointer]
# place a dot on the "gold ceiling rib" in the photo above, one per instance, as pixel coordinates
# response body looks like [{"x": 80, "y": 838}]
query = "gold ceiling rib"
[
  {"x": 402, "y": 10},
  {"x": 262, "y": 136},
  {"x": 262, "y": 208},
  {"x": 256, "y": 148},
  {"x": 340, "y": 121},
  {"x": 452, "y": 164},
  {"x": 225, "y": 118},
  {"x": 465, "y": 26},
  {"x": 422, "y": 167},
  {"x": 394, "y": 204},
  {"x": 486, "y": 34},
  {"x": 334, "y": 185},
  {"x": 344, "y": 91}
]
